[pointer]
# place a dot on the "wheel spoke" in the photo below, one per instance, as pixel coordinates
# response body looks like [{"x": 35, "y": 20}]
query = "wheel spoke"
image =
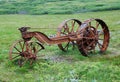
[
  {"x": 26, "y": 59},
  {"x": 78, "y": 28},
  {"x": 67, "y": 45},
  {"x": 100, "y": 45},
  {"x": 15, "y": 56},
  {"x": 15, "y": 53},
  {"x": 30, "y": 47},
  {"x": 34, "y": 49},
  {"x": 73, "y": 43},
  {"x": 20, "y": 44},
  {"x": 90, "y": 44},
  {"x": 17, "y": 49},
  {"x": 37, "y": 46},
  {"x": 38, "y": 51},
  {"x": 101, "y": 39},
  {"x": 89, "y": 24},
  {"x": 22, "y": 61},
  {"x": 63, "y": 33},
  {"x": 23, "y": 46},
  {"x": 67, "y": 28},
  {"x": 100, "y": 33},
  {"x": 73, "y": 24},
  {"x": 92, "y": 31},
  {"x": 97, "y": 25},
  {"x": 63, "y": 29}
]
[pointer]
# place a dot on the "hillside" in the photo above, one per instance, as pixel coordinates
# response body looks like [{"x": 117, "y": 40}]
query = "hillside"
[{"x": 56, "y": 6}]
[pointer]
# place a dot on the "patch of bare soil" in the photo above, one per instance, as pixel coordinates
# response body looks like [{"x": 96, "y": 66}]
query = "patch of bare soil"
[{"x": 59, "y": 58}]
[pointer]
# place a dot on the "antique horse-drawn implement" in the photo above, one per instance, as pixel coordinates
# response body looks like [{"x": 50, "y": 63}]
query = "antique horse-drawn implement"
[{"x": 91, "y": 35}]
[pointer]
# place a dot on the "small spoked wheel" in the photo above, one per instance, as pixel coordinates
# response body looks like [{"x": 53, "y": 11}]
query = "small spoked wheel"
[
  {"x": 95, "y": 36},
  {"x": 68, "y": 28},
  {"x": 23, "y": 52}
]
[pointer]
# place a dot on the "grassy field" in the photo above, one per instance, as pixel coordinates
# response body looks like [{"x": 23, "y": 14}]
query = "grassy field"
[
  {"x": 58, "y": 66},
  {"x": 37, "y": 7}
]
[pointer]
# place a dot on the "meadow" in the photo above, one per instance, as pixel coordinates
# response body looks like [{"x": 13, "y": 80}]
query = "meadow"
[
  {"x": 38, "y": 7},
  {"x": 58, "y": 66}
]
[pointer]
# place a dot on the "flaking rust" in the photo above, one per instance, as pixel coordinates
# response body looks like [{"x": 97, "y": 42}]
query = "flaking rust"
[{"x": 90, "y": 36}]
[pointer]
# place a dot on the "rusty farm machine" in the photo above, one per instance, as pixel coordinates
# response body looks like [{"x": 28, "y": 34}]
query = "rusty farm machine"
[{"x": 89, "y": 36}]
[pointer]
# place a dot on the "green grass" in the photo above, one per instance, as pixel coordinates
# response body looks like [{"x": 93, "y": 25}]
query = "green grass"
[
  {"x": 73, "y": 67},
  {"x": 56, "y": 6}
]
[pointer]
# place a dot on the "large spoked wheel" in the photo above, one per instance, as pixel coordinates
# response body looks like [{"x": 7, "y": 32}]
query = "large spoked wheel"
[
  {"x": 95, "y": 36},
  {"x": 22, "y": 52},
  {"x": 68, "y": 27}
]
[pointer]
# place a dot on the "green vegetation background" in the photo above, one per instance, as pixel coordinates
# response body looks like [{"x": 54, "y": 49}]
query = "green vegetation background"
[
  {"x": 58, "y": 66},
  {"x": 37, "y": 7}
]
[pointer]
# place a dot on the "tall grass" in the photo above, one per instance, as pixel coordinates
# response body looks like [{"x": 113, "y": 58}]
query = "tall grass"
[{"x": 38, "y": 7}]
